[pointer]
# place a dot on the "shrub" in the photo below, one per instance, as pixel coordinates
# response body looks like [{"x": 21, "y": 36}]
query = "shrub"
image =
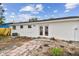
[{"x": 56, "y": 51}]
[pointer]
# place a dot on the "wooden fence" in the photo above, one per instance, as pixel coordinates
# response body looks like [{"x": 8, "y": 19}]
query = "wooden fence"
[{"x": 5, "y": 31}]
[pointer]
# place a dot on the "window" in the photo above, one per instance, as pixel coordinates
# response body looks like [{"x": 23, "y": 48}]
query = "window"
[
  {"x": 14, "y": 34},
  {"x": 21, "y": 26},
  {"x": 14, "y": 27},
  {"x": 41, "y": 30},
  {"x": 46, "y": 30},
  {"x": 29, "y": 26}
]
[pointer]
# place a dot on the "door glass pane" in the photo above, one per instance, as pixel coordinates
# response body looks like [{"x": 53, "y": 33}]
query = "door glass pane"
[
  {"x": 41, "y": 30},
  {"x": 46, "y": 30}
]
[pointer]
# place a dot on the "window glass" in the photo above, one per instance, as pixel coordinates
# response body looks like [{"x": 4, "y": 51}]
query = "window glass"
[
  {"x": 29, "y": 26},
  {"x": 21, "y": 26},
  {"x": 14, "y": 27}
]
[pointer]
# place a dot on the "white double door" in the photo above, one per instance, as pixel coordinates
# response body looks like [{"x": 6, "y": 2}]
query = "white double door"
[{"x": 43, "y": 30}]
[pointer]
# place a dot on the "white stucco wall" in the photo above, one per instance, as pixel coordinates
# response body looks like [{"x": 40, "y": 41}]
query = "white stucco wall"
[
  {"x": 63, "y": 30},
  {"x": 76, "y": 32},
  {"x": 30, "y": 32}
]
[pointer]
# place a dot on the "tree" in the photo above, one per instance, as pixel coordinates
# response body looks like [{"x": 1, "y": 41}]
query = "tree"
[
  {"x": 2, "y": 18},
  {"x": 33, "y": 19}
]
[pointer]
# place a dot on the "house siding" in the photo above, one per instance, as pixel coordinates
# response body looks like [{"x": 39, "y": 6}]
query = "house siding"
[{"x": 63, "y": 30}]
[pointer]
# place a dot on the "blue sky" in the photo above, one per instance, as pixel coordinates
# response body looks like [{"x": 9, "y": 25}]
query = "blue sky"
[{"x": 19, "y": 12}]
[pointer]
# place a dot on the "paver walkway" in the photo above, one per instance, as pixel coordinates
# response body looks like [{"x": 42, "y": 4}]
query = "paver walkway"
[
  {"x": 40, "y": 47},
  {"x": 22, "y": 50}
]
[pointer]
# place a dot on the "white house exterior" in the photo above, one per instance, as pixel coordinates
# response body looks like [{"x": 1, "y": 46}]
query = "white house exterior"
[{"x": 66, "y": 28}]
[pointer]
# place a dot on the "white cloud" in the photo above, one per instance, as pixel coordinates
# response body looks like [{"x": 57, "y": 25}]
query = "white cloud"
[
  {"x": 46, "y": 16},
  {"x": 12, "y": 15},
  {"x": 35, "y": 12},
  {"x": 70, "y": 6},
  {"x": 27, "y": 8},
  {"x": 5, "y": 9},
  {"x": 23, "y": 17},
  {"x": 67, "y": 10},
  {"x": 18, "y": 18},
  {"x": 39, "y": 7},
  {"x": 33, "y": 9},
  {"x": 5, "y": 13},
  {"x": 52, "y": 16},
  {"x": 55, "y": 11}
]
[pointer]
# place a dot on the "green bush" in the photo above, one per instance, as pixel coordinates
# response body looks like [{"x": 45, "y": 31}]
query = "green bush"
[{"x": 56, "y": 51}]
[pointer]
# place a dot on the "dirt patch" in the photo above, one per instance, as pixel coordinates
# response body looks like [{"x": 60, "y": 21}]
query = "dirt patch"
[
  {"x": 38, "y": 47},
  {"x": 9, "y": 42}
]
